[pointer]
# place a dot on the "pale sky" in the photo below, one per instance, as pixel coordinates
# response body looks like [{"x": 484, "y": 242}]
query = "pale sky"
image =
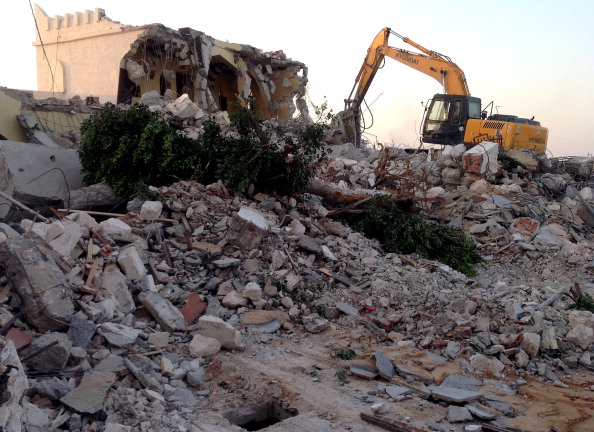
[{"x": 532, "y": 58}]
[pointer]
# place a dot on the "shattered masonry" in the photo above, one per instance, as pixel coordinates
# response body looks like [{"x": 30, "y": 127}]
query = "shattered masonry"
[{"x": 134, "y": 60}]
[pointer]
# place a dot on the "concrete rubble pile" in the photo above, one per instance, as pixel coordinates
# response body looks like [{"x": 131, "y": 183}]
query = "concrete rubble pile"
[{"x": 139, "y": 322}]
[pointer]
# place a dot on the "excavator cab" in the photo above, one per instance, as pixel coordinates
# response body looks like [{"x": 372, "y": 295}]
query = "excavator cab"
[{"x": 446, "y": 117}]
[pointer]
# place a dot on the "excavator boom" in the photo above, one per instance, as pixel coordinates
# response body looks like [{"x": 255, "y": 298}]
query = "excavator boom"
[
  {"x": 431, "y": 63},
  {"x": 452, "y": 117}
]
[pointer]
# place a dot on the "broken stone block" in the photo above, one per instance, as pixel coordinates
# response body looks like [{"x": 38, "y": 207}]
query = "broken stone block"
[
  {"x": 81, "y": 331},
  {"x": 462, "y": 382},
  {"x": 531, "y": 343},
  {"x": 95, "y": 196},
  {"x": 526, "y": 158},
  {"x": 46, "y": 231},
  {"x": 90, "y": 395},
  {"x": 309, "y": 244},
  {"x": 314, "y": 323},
  {"x": 581, "y": 336},
  {"x": 384, "y": 365},
  {"x": 130, "y": 261},
  {"x": 166, "y": 314},
  {"x": 233, "y": 300},
  {"x": 395, "y": 391},
  {"x": 482, "y": 158},
  {"x": 135, "y": 71},
  {"x": 451, "y": 176},
  {"x": 45, "y": 296},
  {"x": 226, "y": 262},
  {"x": 53, "y": 358},
  {"x": 347, "y": 308},
  {"x": 159, "y": 339},
  {"x": 456, "y": 414},
  {"x": 14, "y": 387},
  {"x": 145, "y": 371},
  {"x": 551, "y": 236},
  {"x": 522, "y": 359},
  {"x": 481, "y": 412},
  {"x": 115, "y": 285},
  {"x": 581, "y": 317},
  {"x": 450, "y": 394},
  {"x": 204, "y": 346},
  {"x": 53, "y": 388},
  {"x": 84, "y": 220},
  {"x": 151, "y": 210},
  {"x": 253, "y": 292},
  {"x": 115, "y": 227},
  {"x": 220, "y": 330},
  {"x": 183, "y": 107},
  {"x": 247, "y": 229},
  {"x": 549, "y": 339},
  {"x": 486, "y": 363},
  {"x": 65, "y": 243}
]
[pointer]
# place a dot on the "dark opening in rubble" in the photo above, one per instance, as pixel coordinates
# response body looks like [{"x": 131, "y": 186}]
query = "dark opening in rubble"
[{"x": 261, "y": 416}]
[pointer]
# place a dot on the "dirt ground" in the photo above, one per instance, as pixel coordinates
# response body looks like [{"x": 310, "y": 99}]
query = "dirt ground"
[{"x": 300, "y": 373}]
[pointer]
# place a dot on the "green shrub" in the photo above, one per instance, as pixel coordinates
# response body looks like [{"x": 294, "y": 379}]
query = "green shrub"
[
  {"x": 247, "y": 156},
  {"x": 133, "y": 148},
  {"x": 408, "y": 233},
  {"x": 130, "y": 149}
]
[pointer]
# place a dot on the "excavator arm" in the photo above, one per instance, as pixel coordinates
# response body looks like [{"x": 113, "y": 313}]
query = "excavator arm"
[{"x": 431, "y": 63}]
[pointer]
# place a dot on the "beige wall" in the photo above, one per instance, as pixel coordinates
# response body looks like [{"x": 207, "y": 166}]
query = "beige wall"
[
  {"x": 84, "y": 49},
  {"x": 9, "y": 125}
]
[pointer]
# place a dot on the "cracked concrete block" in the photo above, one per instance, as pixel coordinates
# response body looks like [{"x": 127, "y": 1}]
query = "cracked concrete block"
[
  {"x": 45, "y": 231},
  {"x": 54, "y": 358},
  {"x": 45, "y": 295},
  {"x": 183, "y": 107},
  {"x": 165, "y": 313},
  {"x": 65, "y": 243},
  {"x": 115, "y": 227},
  {"x": 115, "y": 285},
  {"x": 224, "y": 332},
  {"x": 129, "y": 260},
  {"x": 151, "y": 210},
  {"x": 204, "y": 346},
  {"x": 247, "y": 229},
  {"x": 90, "y": 395},
  {"x": 11, "y": 409},
  {"x": 481, "y": 158},
  {"x": 135, "y": 72},
  {"x": 37, "y": 176}
]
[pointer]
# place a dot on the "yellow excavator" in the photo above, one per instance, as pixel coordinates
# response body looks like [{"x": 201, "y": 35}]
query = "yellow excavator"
[{"x": 450, "y": 118}]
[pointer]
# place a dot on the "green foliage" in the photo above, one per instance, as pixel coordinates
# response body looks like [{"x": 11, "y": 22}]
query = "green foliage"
[
  {"x": 341, "y": 376},
  {"x": 346, "y": 354},
  {"x": 247, "y": 155},
  {"x": 133, "y": 148},
  {"x": 408, "y": 233},
  {"x": 584, "y": 302}
]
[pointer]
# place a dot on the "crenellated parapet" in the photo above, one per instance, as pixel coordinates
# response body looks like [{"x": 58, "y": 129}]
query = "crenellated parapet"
[{"x": 75, "y": 26}]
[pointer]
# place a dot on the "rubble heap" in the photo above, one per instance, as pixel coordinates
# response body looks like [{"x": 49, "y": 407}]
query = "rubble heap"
[{"x": 196, "y": 305}]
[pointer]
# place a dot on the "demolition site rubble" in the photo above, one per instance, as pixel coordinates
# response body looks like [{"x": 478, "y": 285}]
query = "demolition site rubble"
[{"x": 203, "y": 310}]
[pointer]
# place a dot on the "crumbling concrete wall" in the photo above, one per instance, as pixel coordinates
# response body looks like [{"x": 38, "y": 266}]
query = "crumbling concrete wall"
[
  {"x": 9, "y": 109},
  {"x": 120, "y": 63}
]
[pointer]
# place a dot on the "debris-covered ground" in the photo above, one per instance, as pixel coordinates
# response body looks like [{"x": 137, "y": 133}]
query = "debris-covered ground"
[{"x": 202, "y": 310}]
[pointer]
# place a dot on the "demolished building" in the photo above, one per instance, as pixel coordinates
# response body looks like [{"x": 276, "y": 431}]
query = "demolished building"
[{"x": 134, "y": 60}]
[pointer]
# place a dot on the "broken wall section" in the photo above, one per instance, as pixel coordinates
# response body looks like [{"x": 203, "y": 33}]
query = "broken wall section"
[{"x": 211, "y": 72}]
